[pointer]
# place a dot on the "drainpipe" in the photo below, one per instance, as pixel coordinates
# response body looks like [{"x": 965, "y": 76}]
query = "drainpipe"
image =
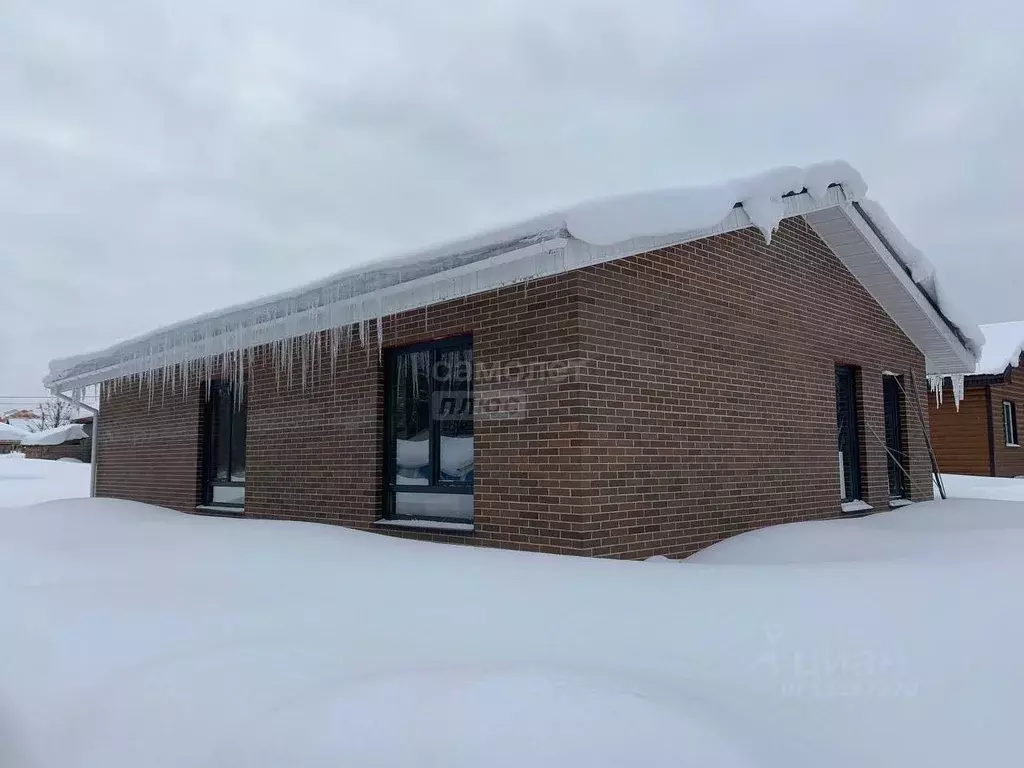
[{"x": 92, "y": 440}]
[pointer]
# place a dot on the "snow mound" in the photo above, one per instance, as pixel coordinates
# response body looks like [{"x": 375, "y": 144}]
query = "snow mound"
[
  {"x": 688, "y": 209},
  {"x": 30, "y": 481},
  {"x": 507, "y": 717},
  {"x": 55, "y": 435},
  {"x": 973, "y": 487},
  {"x": 919, "y": 531},
  {"x": 11, "y": 434},
  {"x": 145, "y": 637}
]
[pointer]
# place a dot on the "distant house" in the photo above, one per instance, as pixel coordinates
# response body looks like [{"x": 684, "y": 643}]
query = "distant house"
[
  {"x": 68, "y": 441},
  {"x": 980, "y": 435},
  {"x": 10, "y": 438},
  {"x": 637, "y": 376},
  {"x": 22, "y": 418}
]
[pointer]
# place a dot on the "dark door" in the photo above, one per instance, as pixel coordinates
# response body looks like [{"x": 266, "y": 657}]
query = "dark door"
[
  {"x": 846, "y": 434},
  {"x": 893, "y": 395}
]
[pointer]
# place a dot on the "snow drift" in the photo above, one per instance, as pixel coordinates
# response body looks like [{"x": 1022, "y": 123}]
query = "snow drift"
[{"x": 137, "y": 636}]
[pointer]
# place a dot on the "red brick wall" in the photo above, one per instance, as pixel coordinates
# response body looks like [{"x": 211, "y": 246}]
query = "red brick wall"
[
  {"x": 149, "y": 450},
  {"x": 960, "y": 437},
  {"x": 710, "y": 390},
  {"x": 701, "y": 404}
]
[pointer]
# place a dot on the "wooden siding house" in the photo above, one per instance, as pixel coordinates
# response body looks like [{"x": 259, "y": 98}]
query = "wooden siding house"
[{"x": 979, "y": 435}]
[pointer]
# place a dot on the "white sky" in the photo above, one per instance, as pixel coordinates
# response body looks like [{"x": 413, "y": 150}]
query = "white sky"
[{"x": 159, "y": 159}]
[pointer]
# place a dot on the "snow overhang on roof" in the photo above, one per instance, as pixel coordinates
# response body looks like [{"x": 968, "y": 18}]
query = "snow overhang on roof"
[
  {"x": 10, "y": 434},
  {"x": 55, "y": 435},
  {"x": 1004, "y": 343},
  {"x": 830, "y": 197}
]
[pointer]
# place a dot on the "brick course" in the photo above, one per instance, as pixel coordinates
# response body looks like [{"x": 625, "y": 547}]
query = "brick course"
[{"x": 693, "y": 399}]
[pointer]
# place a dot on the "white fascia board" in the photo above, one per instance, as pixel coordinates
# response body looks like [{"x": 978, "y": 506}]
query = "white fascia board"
[{"x": 955, "y": 347}]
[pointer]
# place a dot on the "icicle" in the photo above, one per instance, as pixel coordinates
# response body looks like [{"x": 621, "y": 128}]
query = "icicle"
[
  {"x": 380, "y": 339},
  {"x": 957, "y": 380},
  {"x": 935, "y": 385}
]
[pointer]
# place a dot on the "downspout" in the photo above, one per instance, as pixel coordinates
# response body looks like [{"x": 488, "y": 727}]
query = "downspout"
[
  {"x": 92, "y": 440},
  {"x": 991, "y": 431}
]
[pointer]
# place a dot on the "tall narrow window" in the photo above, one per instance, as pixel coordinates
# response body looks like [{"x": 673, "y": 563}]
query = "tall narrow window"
[
  {"x": 429, "y": 438},
  {"x": 846, "y": 434},
  {"x": 892, "y": 392},
  {"x": 224, "y": 471},
  {"x": 1010, "y": 424}
]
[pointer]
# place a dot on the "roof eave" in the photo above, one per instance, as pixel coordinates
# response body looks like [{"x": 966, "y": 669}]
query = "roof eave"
[{"x": 851, "y": 235}]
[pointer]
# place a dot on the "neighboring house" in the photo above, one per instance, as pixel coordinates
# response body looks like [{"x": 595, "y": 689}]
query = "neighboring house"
[
  {"x": 66, "y": 441},
  {"x": 10, "y": 438},
  {"x": 23, "y": 419},
  {"x": 980, "y": 435},
  {"x": 639, "y": 376}
]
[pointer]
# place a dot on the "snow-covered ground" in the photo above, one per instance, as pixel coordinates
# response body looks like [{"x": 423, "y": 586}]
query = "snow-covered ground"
[
  {"x": 135, "y": 636},
  {"x": 30, "y": 481},
  {"x": 971, "y": 487}
]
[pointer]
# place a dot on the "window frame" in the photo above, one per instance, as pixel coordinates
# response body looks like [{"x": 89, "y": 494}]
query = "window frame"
[
  {"x": 898, "y": 465},
  {"x": 217, "y": 391},
  {"x": 461, "y": 342},
  {"x": 853, "y": 414},
  {"x": 1011, "y": 436}
]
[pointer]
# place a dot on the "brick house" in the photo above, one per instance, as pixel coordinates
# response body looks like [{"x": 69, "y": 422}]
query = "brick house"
[
  {"x": 644, "y": 375},
  {"x": 68, "y": 441},
  {"x": 979, "y": 434}
]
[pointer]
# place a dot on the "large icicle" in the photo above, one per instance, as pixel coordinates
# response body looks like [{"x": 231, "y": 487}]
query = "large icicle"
[
  {"x": 957, "y": 380},
  {"x": 936, "y": 384}
]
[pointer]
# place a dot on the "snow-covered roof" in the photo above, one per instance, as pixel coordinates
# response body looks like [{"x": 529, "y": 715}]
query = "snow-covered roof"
[
  {"x": 830, "y": 196},
  {"x": 55, "y": 435},
  {"x": 25, "y": 425},
  {"x": 11, "y": 434},
  {"x": 1004, "y": 343}
]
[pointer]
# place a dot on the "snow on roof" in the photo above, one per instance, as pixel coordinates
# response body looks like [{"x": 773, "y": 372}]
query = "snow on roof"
[
  {"x": 1004, "y": 343},
  {"x": 10, "y": 433},
  {"x": 558, "y": 242},
  {"x": 25, "y": 425},
  {"x": 55, "y": 436}
]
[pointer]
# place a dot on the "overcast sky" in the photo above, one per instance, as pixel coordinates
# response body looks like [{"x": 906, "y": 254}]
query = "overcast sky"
[{"x": 161, "y": 158}]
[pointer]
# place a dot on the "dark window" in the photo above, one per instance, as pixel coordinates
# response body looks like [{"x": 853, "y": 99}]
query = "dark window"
[
  {"x": 892, "y": 391},
  {"x": 429, "y": 437},
  {"x": 1010, "y": 424},
  {"x": 224, "y": 471},
  {"x": 847, "y": 435}
]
